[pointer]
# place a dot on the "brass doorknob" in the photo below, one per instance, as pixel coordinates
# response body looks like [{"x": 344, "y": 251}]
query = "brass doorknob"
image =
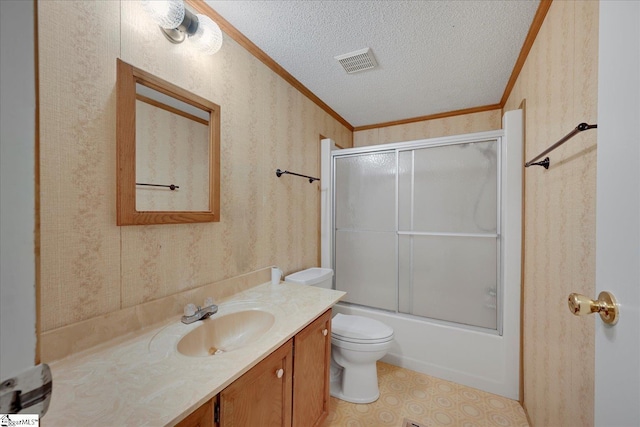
[{"x": 606, "y": 305}]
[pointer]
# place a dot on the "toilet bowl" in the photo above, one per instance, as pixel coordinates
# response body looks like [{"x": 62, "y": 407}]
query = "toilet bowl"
[{"x": 357, "y": 343}]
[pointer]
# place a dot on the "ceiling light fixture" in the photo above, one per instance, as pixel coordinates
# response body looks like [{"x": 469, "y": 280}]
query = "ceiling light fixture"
[{"x": 177, "y": 22}]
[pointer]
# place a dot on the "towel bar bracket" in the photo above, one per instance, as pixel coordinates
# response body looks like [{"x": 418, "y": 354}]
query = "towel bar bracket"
[{"x": 544, "y": 163}]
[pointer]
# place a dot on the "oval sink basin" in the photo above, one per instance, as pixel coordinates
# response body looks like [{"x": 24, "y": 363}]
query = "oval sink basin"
[{"x": 220, "y": 334}]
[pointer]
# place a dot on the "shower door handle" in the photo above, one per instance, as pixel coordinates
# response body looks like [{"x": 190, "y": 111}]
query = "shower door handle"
[{"x": 606, "y": 305}]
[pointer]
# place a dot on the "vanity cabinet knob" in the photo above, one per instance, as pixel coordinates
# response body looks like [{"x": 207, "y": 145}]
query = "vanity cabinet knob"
[
  {"x": 280, "y": 373},
  {"x": 325, "y": 332}
]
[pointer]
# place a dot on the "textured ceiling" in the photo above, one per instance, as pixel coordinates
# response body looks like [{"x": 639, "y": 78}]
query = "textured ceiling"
[{"x": 433, "y": 56}]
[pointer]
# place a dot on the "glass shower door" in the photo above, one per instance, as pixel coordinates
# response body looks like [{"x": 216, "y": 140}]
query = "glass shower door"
[
  {"x": 448, "y": 234},
  {"x": 365, "y": 229},
  {"x": 417, "y": 231}
]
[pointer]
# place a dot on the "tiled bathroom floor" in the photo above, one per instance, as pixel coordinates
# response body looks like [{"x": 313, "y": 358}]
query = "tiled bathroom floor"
[{"x": 428, "y": 401}]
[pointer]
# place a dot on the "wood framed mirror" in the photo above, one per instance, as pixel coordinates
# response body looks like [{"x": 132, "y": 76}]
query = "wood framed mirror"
[{"x": 168, "y": 152}]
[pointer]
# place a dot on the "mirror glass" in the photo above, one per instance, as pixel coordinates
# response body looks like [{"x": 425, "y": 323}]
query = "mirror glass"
[
  {"x": 172, "y": 148},
  {"x": 168, "y": 152}
]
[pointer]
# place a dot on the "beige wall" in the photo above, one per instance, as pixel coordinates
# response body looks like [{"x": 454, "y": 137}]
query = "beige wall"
[
  {"x": 90, "y": 266},
  {"x": 559, "y": 83},
  {"x": 454, "y": 125}
]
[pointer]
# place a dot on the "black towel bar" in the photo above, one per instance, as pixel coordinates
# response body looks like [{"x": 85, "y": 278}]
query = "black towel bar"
[
  {"x": 545, "y": 163},
  {"x": 279, "y": 173},
  {"x": 170, "y": 187}
]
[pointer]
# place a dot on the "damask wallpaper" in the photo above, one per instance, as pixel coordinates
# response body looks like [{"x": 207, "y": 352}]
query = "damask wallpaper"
[
  {"x": 454, "y": 125},
  {"x": 560, "y": 84}
]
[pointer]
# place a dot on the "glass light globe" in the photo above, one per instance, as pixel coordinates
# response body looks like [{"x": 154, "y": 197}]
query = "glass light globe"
[
  {"x": 168, "y": 14},
  {"x": 208, "y": 36}
]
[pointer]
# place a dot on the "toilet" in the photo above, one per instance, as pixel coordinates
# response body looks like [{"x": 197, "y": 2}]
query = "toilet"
[{"x": 357, "y": 343}]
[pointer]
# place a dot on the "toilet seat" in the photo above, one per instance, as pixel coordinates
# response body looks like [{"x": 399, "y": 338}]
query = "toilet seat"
[
  {"x": 359, "y": 330},
  {"x": 338, "y": 339}
]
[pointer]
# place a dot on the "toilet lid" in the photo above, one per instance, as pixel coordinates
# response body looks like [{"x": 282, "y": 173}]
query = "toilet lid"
[{"x": 359, "y": 329}]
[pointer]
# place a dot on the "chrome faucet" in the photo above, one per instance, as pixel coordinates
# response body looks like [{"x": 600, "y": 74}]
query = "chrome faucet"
[{"x": 193, "y": 313}]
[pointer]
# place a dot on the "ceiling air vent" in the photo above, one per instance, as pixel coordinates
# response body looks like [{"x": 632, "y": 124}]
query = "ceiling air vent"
[{"x": 359, "y": 60}]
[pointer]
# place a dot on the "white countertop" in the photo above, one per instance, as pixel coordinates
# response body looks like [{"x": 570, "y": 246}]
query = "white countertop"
[{"x": 142, "y": 380}]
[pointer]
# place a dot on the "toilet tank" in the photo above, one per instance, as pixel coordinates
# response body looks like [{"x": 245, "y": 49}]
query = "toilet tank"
[{"x": 320, "y": 277}]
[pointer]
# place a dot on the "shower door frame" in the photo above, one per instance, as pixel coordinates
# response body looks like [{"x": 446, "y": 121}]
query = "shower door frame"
[{"x": 411, "y": 146}]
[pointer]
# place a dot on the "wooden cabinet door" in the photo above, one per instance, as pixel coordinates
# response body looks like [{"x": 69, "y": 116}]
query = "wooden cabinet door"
[
  {"x": 262, "y": 396},
  {"x": 201, "y": 417},
  {"x": 312, "y": 355}
]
